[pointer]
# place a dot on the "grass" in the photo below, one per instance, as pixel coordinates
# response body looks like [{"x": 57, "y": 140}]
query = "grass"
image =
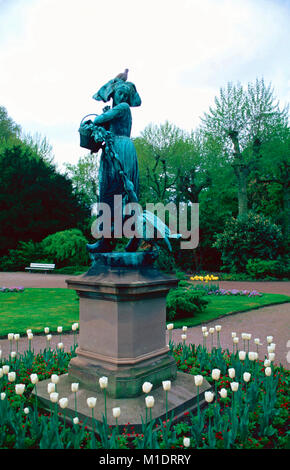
[
  {"x": 225, "y": 305},
  {"x": 38, "y": 308}
]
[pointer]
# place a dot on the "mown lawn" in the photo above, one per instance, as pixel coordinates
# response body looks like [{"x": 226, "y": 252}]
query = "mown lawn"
[
  {"x": 226, "y": 304},
  {"x": 38, "y": 308}
]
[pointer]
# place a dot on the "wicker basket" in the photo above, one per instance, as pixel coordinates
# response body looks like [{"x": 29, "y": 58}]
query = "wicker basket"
[{"x": 86, "y": 139}]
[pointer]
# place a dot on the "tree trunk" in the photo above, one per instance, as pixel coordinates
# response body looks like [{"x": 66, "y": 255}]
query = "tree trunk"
[{"x": 242, "y": 173}]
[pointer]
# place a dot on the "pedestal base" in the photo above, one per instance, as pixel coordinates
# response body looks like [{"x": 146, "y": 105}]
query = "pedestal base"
[
  {"x": 123, "y": 380},
  {"x": 122, "y": 327},
  {"x": 181, "y": 398}
]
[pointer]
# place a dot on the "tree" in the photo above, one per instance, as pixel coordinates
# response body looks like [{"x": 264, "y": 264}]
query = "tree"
[
  {"x": 8, "y": 128},
  {"x": 171, "y": 164},
  {"x": 85, "y": 177},
  {"x": 274, "y": 177},
  {"x": 35, "y": 200},
  {"x": 243, "y": 119}
]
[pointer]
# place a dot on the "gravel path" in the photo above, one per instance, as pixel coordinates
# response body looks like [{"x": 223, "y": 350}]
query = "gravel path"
[{"x": 266, "y": 321}]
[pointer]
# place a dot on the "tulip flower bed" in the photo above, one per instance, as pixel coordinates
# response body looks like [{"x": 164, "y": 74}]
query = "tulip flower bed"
[{"x": 247, "y": 408}]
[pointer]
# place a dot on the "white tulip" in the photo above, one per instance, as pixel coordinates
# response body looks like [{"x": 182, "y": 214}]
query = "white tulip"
[
  {"x": 28, "y": 332},
  {"x": 63, "y": 402},
  {"x": 170, "y": 326},
  {"x": 166, "y": 385},
  {"x": 30, "y": 336},
  {"x": 234, "y": 386},
  {"x": 208, "y": 396},
  {"x": 223, "y": 393},
  {"x": 252, "y": 355},
  {"x": 246, "y": 376},
  {"x": 186, "y": 441},
  {"x": 11, "y": 376},
  {"x": 48, "y": 337},
  {"x": 218, "y": 327},
  {"x": 149, "y": 401},
  {"x": 3, "y": 396},
  {"x": 270, "y": 349},
  {"x": 59, "y": 329},
  {"x": 116, "y": 412},
  {"x": 198, "y": 380},
  {"x": 269, "y": 339},
  {"x": 53, "y": 397},
  {"x": 74, "y": 387},
  {"x": 76, "y": 420},
  {"x": 211, "y": 330},
  {"x": 215, "y": 373},
  {"x": 184, "y": 328},
  {"x": 257, "y": 341},
  {"x": 19, "y": 389},
  {"x": 267, "y": 363},
  {"x": 146, "y": 387},
  {"x": 54, "y": 378},
  {"x": 205, "y": 334},
  {"x": 13, "y": 354},
  {"x": 242, "y": 355},
  {"x": 236, "y": 340},
  {"x": 234, "y": 334},
  {"x": 103, "y": 381},
  {"x": 232, "y": 373},
  {"x": 5, "y": 369},
  {"x": 244, "y": 335},
  {"x": 203, "y": 329},
  {"x": 46, "y": 330},
  {"x": 10, "y": 336},
  {"x": 16, "y": 337},
  {"x": 60, "y": 345},
  {"x": 249, "y": 336},
  {"x": 273, "y": 345},
  {"x": 50, "y": 388},
  {"x": 183, "y": 337},
  {"x": 75, "y": 326},
  {"x": 268, "y": 371},
  {"x": 271, "y": 357},
  {"x": 34, "y": 378},
  {"x": 26, "y": 410},
  {"x": 91, "y": 402}
]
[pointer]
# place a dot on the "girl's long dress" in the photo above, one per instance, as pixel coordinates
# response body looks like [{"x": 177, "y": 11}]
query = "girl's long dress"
[{"x": 120, "y": 123}]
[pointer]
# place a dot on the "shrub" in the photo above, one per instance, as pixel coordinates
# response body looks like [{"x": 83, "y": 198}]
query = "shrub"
[
  {"x": 259, "y": 268},
  {"x": 25, "y": 253},
  {"x": 247, "y": 237},
  {"x": 184, "y": 302},
  {"x": 67, "y": 247}
]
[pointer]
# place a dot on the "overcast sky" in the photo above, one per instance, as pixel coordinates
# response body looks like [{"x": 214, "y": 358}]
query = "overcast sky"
[{"x": 55, "y": 54}]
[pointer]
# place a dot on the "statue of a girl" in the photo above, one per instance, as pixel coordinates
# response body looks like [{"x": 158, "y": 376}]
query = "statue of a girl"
[{"x": 121, "y": 156}]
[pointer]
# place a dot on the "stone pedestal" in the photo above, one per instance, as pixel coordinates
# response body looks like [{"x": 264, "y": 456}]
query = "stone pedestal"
[
  {"x": 123, "y": 337},
  {"x": 122, "y": 328}
]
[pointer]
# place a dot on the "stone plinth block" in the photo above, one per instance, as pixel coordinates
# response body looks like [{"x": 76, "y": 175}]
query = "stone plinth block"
[
  {"x": 181, "y": 398},
  {"x": 122, "y": 328}
]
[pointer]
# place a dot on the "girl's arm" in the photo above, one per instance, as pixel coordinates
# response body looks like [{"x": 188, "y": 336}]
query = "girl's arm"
[{"x": 110, "y": 115}]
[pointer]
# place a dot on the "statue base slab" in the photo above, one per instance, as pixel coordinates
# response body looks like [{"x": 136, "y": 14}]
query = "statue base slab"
[{"x": 181, "y": 398}]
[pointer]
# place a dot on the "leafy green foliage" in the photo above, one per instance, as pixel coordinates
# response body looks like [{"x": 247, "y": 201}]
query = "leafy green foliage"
[
  {"x": 35, "y": 200},
  {"x": 67, "y": 246},
  {"x": 248, "y": 236},
  {"x": 261, "y": 268},
  {"x": 184, "y": 302}
]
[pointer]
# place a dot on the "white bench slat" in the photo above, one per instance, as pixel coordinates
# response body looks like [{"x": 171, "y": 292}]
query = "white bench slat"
[{"x": 40, "y": 266}]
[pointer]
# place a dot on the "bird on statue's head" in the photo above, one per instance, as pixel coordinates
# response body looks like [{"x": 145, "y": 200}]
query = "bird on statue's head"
[{"x": 123, "y": 75}]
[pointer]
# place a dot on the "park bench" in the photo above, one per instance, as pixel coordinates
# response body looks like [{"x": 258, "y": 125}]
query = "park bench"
[{"x": 40, "y": 267}]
